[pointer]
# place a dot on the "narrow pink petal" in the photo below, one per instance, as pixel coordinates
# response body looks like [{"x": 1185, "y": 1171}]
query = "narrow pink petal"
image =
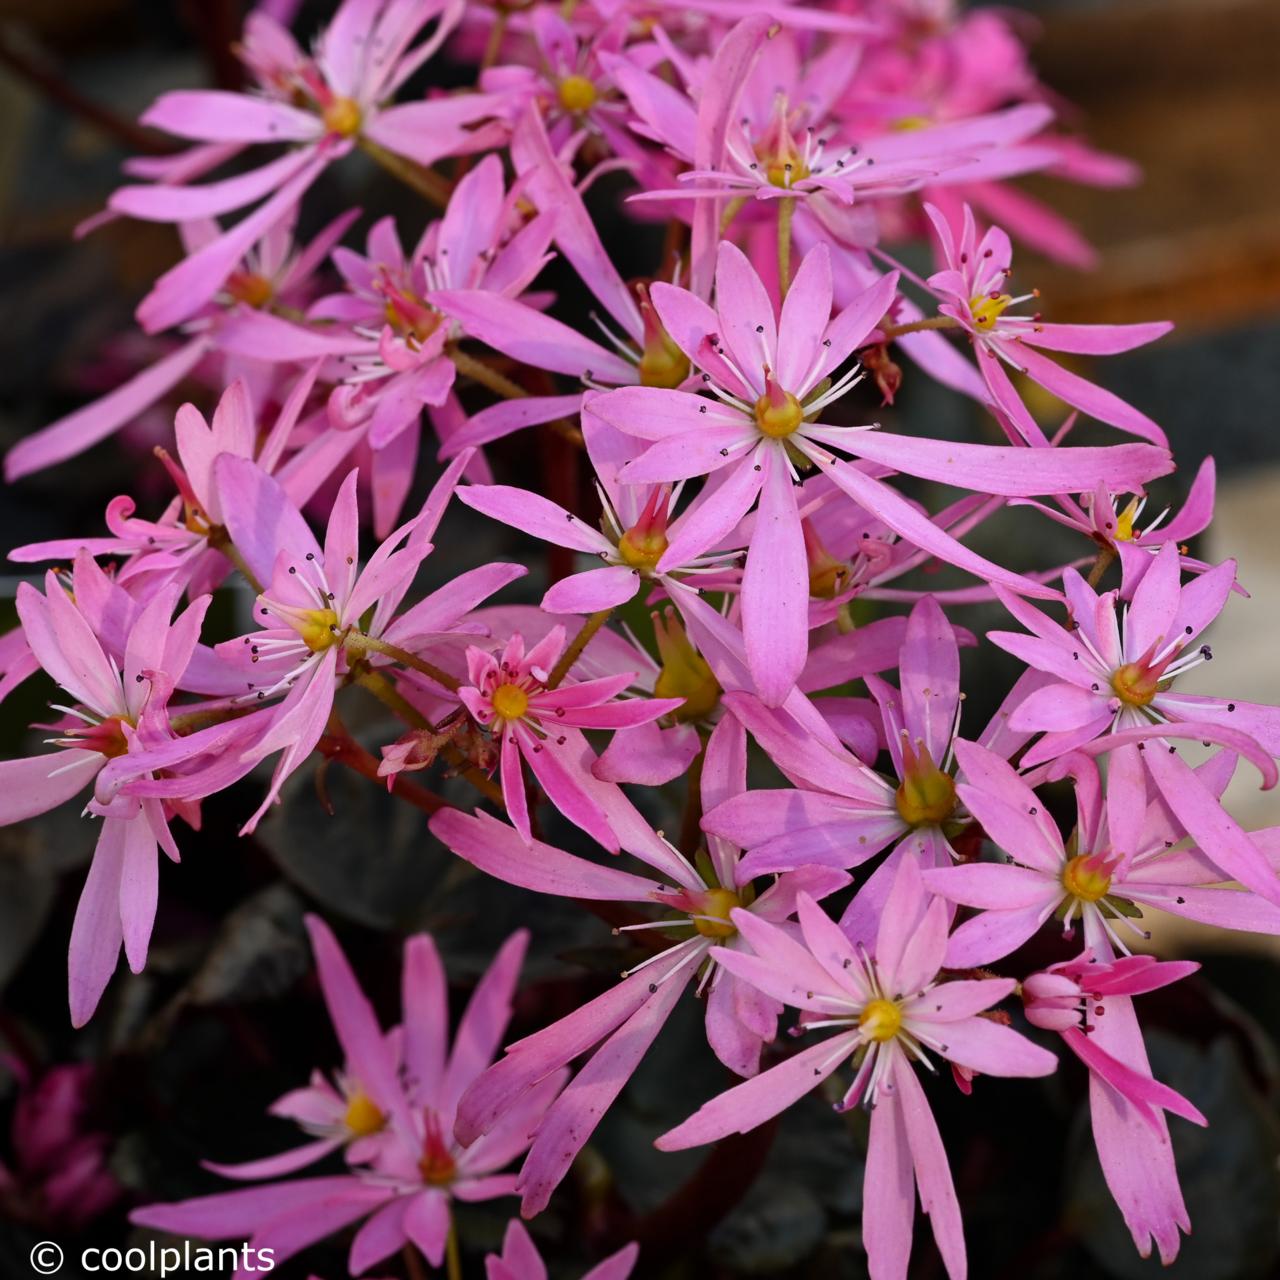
[
  {"x": 485, "y": 1020},
  {"x": 85, "y": 427},
  {"x": 747, "y": 1105},
  {"x": 888, "y": 1192},
  {"x": 573, "y": 1117},
  {"x": 210, "y": 115},
  {"x": 424, "y": 999},
  {"x": 775, "y": 587},
  {"x": 497, "y": 849},
  {"x": 517, "y": 330},
  {"x": 96, "y": 932}
]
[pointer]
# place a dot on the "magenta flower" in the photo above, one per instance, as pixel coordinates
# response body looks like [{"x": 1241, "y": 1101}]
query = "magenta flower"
[
  {"x": 402, "y": 1089},
  {"x": 321, "y": 105},
  {"x": 771, "y": 378},
  {"x": 1090, "y": 1005},
  {"x": 891, "y": 1011},
  {"x": 1098, "y": 882},
  {"x": 519, "y": 1259},
  {"x": 619, "y": 1026},
  {"x": 972, "y": 284},
  {"x": 507, "y": 692}
]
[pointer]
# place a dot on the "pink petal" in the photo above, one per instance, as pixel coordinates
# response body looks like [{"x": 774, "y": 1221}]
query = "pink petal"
[
  {"x": 85, "y": 427},
  {"x": 593, "y": 590},
  {"x": 747, "y": 1105},
  {"x": 480, "y": 1032},
  {"x": 96, "y": 932},
  {"x": 775, "y": 587},
  {"x": 932, "y": 1172},
  {"x": 517, "y": 330},
  {"x": 497, "y": 849},
  {"x": 573, "y": 1117}
]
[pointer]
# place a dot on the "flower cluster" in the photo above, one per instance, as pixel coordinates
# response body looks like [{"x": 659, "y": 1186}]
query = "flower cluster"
[{"x": 742, "y": 586}]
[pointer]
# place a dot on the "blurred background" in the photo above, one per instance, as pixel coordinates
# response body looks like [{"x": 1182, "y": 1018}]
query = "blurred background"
[{"x": 1190, "y": 89}]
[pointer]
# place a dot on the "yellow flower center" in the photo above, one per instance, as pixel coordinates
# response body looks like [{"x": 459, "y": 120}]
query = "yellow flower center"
[
  {"x": 1124, "y": 521},
  {"x": 987, "y": 309},
  {"x": 641, "y": 550},
  {"x": 927, "y": 796},
  {"x": 342, "y": 116},
  {"x": 1134, "y": 684},
  {"x": 437, "y": 1166},
  {"x": 663, "y": 364},
  {"x": 1084, "y": 878},
  {"x": 881, "y": 1020},
  {"x": 909, "y": 124},
  {"x": 716, "y": 906},
  {"x": 318, "y": 628},
  {"x": 777, "y": 421},
  {"x": 510, "y": 702},
  {"x": 363, "y": 1117},
  {"x": 577, "y": 93}
]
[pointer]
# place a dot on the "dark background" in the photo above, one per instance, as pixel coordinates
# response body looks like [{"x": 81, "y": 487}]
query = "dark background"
[{"x": 227, "y": 1015}]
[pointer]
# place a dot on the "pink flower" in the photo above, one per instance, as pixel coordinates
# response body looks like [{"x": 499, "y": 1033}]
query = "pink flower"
[
  {"x": 1111, "y": 675},
  {"x": 58, "y": 1175},
  {"x": 782, "y": 138},
  {"x": 183, "y": 545},
  {"x": 313, "y": 611},
  {"x": 1115, "y": 525},
  {"x": 891, "y": 1011},
  {"x": 322, "y": 105},
  {"x": 519, "y": 1259},
  {"x": 636, "y": 527},
  {"x": 268, "y": 272},
  {"x": 1090, "y": 1004},
  {"x": 972, "y": 284},
  {"x": 619, "y": 1026},
  {"x": 641, "y": 352},
  {"x": 841, "y": 812},
  {"x": 770, "y": 377},
  {"x": 401, "y": 1091},
  {"x": 115, "y": 724},
  {"x": 1098, "y": 882},
  {"x": 507, "y": 691}
]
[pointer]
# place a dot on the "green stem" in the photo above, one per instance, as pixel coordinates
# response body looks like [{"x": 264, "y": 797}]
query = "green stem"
[
  {"x": 486, "y": 376},
  {"x": 1100, "y": 566},
  {"x": 892, "y": 331},
  {"x": 577, "y": 645},
  {"x": 220, "y": 540},
  {"x": 362, "y": 643},
  {"x": 731, "y": 211},
  {"x": 453, "y": 1254},
  {"x": 786, "y": 209},
  {"x": 494, "y": 45},
  {"x": 426, "y": 182}
]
